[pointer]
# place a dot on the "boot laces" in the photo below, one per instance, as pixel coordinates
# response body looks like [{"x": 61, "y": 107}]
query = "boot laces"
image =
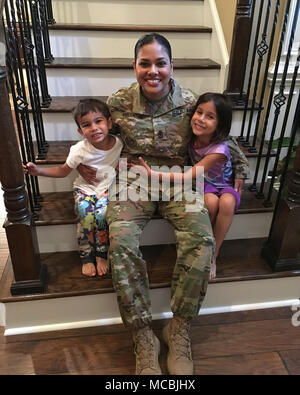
[
  {"x": 181, "y": 338},
  {"x": 144, "y": 349}
]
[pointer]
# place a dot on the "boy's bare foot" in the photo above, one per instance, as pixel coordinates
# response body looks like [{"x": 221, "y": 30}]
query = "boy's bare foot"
[
  {"x": 102, "y": 266},
  {"x": 213, "y": 269},
  {"x": 88, "y": 269}
]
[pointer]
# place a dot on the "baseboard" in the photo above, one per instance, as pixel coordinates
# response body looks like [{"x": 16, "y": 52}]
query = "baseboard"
[{"x": 99, "y": 310}]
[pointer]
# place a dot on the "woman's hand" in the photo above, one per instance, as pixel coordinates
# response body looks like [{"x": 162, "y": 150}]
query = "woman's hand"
[
  {"x": 88, "y": 173},
  {"x": 30, "y": 168},
  {"x": 238, "y": 185}
]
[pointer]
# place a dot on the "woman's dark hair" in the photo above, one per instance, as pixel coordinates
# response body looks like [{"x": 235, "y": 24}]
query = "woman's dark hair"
[
  {"x": 149, "y": 39},
  {"x": 224, "y": 114},
  {"x": 90, "y": 105}
]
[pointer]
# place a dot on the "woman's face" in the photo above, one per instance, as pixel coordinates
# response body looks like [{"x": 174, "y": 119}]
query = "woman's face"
[{"x": 153, "y": 70}]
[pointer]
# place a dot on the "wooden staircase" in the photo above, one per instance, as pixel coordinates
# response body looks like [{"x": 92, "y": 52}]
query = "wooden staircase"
[{"x": 244, "y": 280}]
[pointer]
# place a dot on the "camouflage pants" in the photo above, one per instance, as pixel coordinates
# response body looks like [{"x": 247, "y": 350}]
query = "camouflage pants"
[
  {"x": 92, "y": 228},
  {"x": 195, "y": 246}
]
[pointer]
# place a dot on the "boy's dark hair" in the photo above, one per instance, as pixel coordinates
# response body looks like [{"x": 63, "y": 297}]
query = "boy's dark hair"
[
  {"x": 149, "y": 39},
  {"x": 90, "y": 105},
  {"x": 224, "y": 114}
]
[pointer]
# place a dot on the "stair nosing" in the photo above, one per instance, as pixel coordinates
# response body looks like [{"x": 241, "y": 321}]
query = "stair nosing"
[
  {"x": 67, "y": 108},
  {"x": 126, "y": 63},
  {"x": 52, "y": 216},
  {"x": 130, "y": 28},
  {"x": 265, "y": 273}
]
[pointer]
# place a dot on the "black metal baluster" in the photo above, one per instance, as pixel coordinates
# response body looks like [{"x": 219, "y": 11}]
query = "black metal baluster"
[
  {"x": 46, "y": 39},
  {"x": 253, "y": 147},
  {"x": 279, "y": 101},
  {"x": 241, "y": 137},
  {"x": 294, "y": 130},
  {"x": 261, "y": 50},
  {"x": 22, "y": 24},
  {"x": 33, "y": 85},
  {"x": 268, "y": 202},
  {"x": 49, "y": 11},
  {"x": 36, "y": 26},
  {"x": 253, "y": 187}
]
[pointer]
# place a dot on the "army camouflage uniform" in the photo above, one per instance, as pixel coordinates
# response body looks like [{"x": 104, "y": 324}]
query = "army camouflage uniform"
[{"x": 160, "y": 133}]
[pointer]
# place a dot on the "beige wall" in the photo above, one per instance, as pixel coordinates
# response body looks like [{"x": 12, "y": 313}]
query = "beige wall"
[{"x": 226, "y": 9}]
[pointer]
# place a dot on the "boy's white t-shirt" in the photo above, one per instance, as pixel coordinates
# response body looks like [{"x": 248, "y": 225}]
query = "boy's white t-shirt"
[{"x": 104, "y": 161}]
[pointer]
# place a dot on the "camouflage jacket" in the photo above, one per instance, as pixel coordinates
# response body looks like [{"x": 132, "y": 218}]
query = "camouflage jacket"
[{"x": 159, "y": 133}]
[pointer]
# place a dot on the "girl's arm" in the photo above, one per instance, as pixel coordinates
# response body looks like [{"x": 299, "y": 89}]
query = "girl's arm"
[
  {"x": 55, "y": 172},
  {"x": 207, "y": 162}
]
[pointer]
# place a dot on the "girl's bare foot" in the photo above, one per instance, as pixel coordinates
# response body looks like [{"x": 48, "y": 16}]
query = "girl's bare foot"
[
  {"x": 213, "y": 269},
  {"x": 88, "y": 269},
  {"x": 102, "y": 266}
]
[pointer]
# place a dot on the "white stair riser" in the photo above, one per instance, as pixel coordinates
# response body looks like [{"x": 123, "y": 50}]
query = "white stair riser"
[
  {"x": 237, "y": 122},
  {"x": 54, "y": 238},
  {"x": 101, "y": 44},
  {"x": 71, "y": 312},
  {"x": 61, "y": 126},
  {"x": 48, "y": 184},
  {"x": 252, "y": 165},
  {"x": 139, "y": 12},
  {"x": 58, "y": 127},
  {"x": 104, "y": 82}
]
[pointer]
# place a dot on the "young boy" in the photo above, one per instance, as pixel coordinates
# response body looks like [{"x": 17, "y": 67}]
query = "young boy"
[{"x": 101, "y": 151}]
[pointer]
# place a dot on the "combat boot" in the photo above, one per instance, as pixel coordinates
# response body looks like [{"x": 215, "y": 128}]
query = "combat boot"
[
  {"x": 176, "y": 336},
  {"x": 146, "y": 349}
]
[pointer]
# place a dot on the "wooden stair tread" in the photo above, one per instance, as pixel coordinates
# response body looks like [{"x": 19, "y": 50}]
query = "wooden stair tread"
[
  {"x": 67, "y": 103},
  {"x": 130, "y": 28},
  {"x": 58, "y": 207},
  {"x": 58, "y": 151},
  {"x": 239, "y": 261},
  {"x": 126, "y": 63}
]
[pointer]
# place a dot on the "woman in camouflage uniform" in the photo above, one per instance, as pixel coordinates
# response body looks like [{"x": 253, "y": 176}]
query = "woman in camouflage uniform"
[{"x": 153, "y": 119}]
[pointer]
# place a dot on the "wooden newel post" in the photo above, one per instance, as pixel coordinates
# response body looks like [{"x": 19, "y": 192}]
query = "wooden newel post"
[
  {"x": 30, "y": 275},
  {"x": 239, "y": 48},
  {"x": 282, "y": 250}
]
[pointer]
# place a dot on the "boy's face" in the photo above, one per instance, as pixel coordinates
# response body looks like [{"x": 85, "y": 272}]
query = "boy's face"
[{"x": 94, "y": 127}]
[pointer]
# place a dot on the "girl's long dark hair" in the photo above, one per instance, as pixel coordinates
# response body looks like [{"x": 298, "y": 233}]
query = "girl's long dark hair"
[{"x": 224, "y": 114}]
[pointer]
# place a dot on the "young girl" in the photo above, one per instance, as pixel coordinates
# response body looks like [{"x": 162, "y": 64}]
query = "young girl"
[
  {"x": 99, "y": 150},
  {"x": 211, "y": 123}
]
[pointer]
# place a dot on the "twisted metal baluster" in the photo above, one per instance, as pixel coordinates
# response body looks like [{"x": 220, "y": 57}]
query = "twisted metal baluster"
[
  {"x": 44, "y": 25},
  {"x": 279, "y": 101},
  {"x": 241, "y": 137},
  {"x": 253, "y": 187},
  {"x": 262, "y": 49},
  {"x": 33, "y": 86},
  {"x": 253, "y": 147},
  {"x": 36, "y": 26}
]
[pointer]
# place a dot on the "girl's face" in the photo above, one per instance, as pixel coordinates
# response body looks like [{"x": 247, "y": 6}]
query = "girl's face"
[
  {"x": 204, "y": 122},
  {"x": 153, "y": 70}
]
